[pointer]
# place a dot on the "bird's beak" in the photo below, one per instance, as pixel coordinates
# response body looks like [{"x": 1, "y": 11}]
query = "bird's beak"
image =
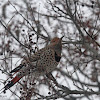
[{"x": 61, "y": 37}]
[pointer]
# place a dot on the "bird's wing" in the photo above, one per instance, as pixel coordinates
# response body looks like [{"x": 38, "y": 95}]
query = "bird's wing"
[{"x": 27, "y": 60}]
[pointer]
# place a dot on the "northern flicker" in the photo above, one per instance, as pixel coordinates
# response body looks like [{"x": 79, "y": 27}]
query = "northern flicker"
[{"x": 42, "y": 62}]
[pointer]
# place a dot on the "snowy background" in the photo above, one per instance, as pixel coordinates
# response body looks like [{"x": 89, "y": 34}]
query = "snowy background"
[{"x": 43, "y": 19}]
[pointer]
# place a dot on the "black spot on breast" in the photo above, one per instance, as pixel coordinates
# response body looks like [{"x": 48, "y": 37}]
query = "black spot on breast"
[{"x": 57, "y": 58}]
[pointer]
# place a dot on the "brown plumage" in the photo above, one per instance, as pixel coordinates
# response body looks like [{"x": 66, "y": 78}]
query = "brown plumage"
[{"x": 42, "y": 62}]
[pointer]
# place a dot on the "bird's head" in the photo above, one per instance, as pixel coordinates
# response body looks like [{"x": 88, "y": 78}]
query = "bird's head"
[
  {"x": 56, "y": 40},
  {"x": 57, "y": 44}
]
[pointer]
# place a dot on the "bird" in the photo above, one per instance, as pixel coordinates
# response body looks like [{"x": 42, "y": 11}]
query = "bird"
[{"x": 38, "y": 64}]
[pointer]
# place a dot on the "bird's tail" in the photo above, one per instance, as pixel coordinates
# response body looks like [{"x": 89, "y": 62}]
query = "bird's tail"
[
  {"x": 14, "y": 80},
  {"x": 11, "y": 83}
]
